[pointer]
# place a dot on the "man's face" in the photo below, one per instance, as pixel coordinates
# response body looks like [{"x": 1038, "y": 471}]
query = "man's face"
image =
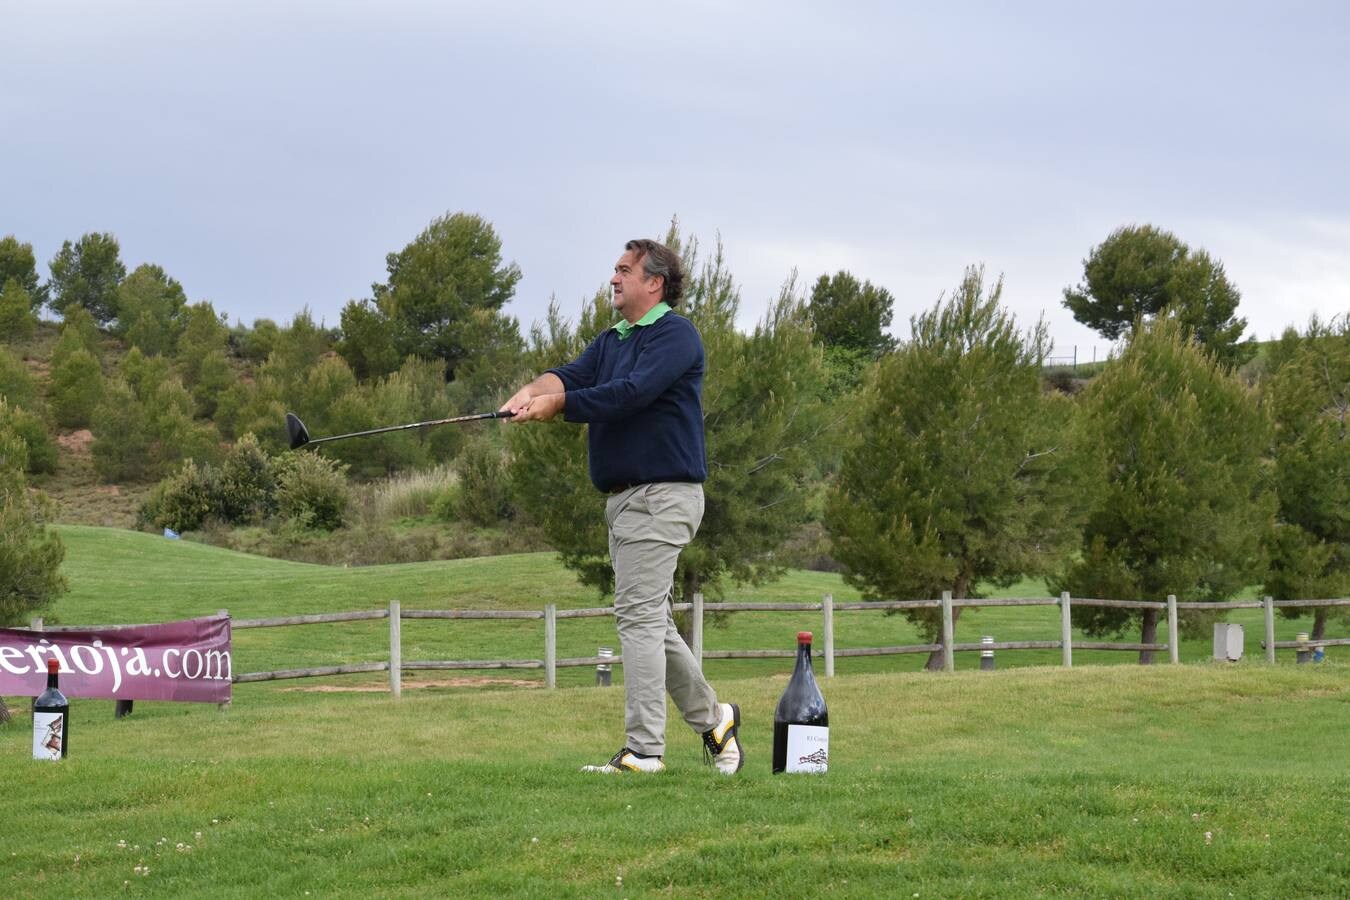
[{"x": 633, "y": 290}]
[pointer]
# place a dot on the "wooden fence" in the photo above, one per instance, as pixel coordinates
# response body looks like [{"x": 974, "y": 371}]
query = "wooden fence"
[{"x": 550, "y": 615}]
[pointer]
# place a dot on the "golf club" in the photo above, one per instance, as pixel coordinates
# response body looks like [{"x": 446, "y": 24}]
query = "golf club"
[{"x": 299, "y": 434}]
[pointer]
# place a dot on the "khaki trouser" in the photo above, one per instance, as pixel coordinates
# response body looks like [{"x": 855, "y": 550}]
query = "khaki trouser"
[{"x": 648, "y": 527}]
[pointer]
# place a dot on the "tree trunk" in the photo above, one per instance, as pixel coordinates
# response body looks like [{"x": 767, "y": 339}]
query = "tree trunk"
[
  {"x": 959, "y": 589},
  {"x": 1148, "y": 634},
  {"x": 4, "y": 712},
  {"x": 689, "y": 585},
  {"x": 1319, "y": 629}
]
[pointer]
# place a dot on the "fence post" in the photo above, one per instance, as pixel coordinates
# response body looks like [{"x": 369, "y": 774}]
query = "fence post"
[
  {"x": 396, "y": 648},
  {"x": 1268, "y": 605},
  {"x": 987, "y": 653},
  {"x": 551, "y": 645},
  {"x": 1173, "y": 650},
  {"x": 696, "y": 628},
  {"x": 827, "y": 607},
  {"x": 119, "y": 711},
  {"x": 1302, "y": 653},
  {"x": 948, "y": 631},
  {"x": 35, "y": 623},
  {"x": 1066, "y": 629}
]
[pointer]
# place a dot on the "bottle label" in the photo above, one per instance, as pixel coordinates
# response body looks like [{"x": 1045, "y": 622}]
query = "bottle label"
[
  {"x": 808, "y": 748},
  {"x": 48, "y": 730}
]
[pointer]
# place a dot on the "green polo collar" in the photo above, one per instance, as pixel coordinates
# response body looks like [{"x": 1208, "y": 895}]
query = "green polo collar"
[{"x": 625, "y": 329}]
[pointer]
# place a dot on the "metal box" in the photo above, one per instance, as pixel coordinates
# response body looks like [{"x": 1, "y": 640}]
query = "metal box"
[{"x": 1228, "y": 641}]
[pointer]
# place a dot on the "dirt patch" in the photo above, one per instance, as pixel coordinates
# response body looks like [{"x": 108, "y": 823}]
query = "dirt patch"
[
  {"x": 411, "y": 683},
  {"x": 76, "y": 441}
]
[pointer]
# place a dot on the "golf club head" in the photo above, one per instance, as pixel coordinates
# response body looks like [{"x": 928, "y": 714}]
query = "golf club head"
[{"x": 297, "y": 431}]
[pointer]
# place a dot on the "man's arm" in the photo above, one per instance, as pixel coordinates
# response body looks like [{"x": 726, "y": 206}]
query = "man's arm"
[{"x": 540, "y": 400}]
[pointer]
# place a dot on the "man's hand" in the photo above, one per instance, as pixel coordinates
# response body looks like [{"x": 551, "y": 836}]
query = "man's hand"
[
  {"x": 548, "y": 383},
  {"x": 539, "y": 408},
  {"x": 517, "y": 401}
]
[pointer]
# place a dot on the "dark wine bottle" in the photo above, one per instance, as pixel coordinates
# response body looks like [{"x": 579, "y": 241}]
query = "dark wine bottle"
[
  {"x": 51, "y": 718},
  {"x": 801, "y": 723}
]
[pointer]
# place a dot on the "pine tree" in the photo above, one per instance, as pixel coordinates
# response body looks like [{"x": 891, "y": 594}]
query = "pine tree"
[
  {"x": 960, "y": 470},
  {"x": 1186, "y": 505},
  {"x": 86, "y": 274},
  {"x": 1310, "y": 400}
]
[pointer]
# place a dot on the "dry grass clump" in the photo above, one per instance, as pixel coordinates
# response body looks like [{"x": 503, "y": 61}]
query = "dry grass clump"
[{"x": 409, "y": 495}]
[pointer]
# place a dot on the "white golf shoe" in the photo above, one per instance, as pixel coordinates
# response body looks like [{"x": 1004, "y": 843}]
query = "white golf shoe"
[
  {"x": 722, "y": 745},
  {"x": 628, "y": 761}
]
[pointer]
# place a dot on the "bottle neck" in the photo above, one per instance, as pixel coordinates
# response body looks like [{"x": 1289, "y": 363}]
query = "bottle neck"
[
  {"x": 51, "y": 680},
  {"x": 804, "y": 654}
]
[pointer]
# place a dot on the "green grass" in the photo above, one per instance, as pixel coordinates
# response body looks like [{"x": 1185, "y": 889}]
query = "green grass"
[
  {"x": 1189, "y": 781},
  {"x": 1195, "y": 781}
]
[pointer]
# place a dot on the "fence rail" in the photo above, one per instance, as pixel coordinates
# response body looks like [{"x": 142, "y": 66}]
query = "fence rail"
[
  {"x": 948, "y": 646},
  {"x": 827, "y": 652}
]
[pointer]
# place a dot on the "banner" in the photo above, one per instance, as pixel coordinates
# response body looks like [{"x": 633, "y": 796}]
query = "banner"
[{"x": 188, "y": 660}]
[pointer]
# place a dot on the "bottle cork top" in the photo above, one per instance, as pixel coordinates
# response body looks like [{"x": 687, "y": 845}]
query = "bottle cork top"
[
  {"x": 53, "y": 667},
  {"x": 803, "y": 637}
]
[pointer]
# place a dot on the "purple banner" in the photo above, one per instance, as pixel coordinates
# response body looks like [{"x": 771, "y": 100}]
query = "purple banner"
[{"x": 188, "y": 660}]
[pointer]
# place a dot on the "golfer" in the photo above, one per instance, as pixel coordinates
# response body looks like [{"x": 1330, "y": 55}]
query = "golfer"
[{"x": 639, "y": 386}]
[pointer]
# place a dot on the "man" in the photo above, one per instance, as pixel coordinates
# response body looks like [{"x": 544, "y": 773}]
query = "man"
[{"x": 639, "y": 386}]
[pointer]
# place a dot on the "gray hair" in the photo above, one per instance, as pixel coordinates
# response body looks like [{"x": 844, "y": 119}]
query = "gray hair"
[{"x": 660, "y": 260}]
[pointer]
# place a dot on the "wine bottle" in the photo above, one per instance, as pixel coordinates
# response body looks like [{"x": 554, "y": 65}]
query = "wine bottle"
[
  {"x": 51, "y": 718},
  {"x": 801, "y": 723}
]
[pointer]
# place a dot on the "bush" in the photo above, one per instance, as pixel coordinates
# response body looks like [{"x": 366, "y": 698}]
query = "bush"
[
  {"x": 312, "y": 490},
  {"x": 30, "y": 561},
  {"x": 76, "y": 388},
  {"x": 30, "y": 556},
  {"x": 484, "y": 497},
  {"x": 247, "y": 483},
  {"x": 184, "y": 501},
  {"x": 31, "y": 430},
  {"x": 16, "y": 383},
  {"x": 122, "y": 440},
  {"x": 17, "y": 322}
]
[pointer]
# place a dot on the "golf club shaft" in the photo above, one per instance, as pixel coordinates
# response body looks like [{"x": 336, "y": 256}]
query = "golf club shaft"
[{"x": 500, "y": 414}]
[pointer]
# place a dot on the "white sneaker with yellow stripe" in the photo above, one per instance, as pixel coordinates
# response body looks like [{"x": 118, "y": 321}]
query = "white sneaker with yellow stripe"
[
  {"x": 628, "y": 761},
  {"x": 722, "y": 744}
]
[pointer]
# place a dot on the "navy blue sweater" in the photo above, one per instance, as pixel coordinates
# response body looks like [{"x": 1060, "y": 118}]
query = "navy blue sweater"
[{"x": 643, "y": 398}]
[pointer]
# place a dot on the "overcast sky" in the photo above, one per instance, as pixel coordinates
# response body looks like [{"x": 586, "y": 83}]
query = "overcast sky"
[{"x": 269, "y": 154}]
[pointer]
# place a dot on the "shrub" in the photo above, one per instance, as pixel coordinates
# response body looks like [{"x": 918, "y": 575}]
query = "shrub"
[
  {"x": 31, "y": 430},
  {"x": 247, "y": 483},
  {"x": 484, "y": 497},
  {"x": 76, "y": 388},
  {"x": 30, "y": 556},
  {"x": 312, "y": 490},
  {"x": 17, "y": 322},
  {"x": 185, "y": 500},
  {"x": 16, "y": 384},
  {"x": 30, "y": 561},
  {"x": 121, "y": 427}
]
